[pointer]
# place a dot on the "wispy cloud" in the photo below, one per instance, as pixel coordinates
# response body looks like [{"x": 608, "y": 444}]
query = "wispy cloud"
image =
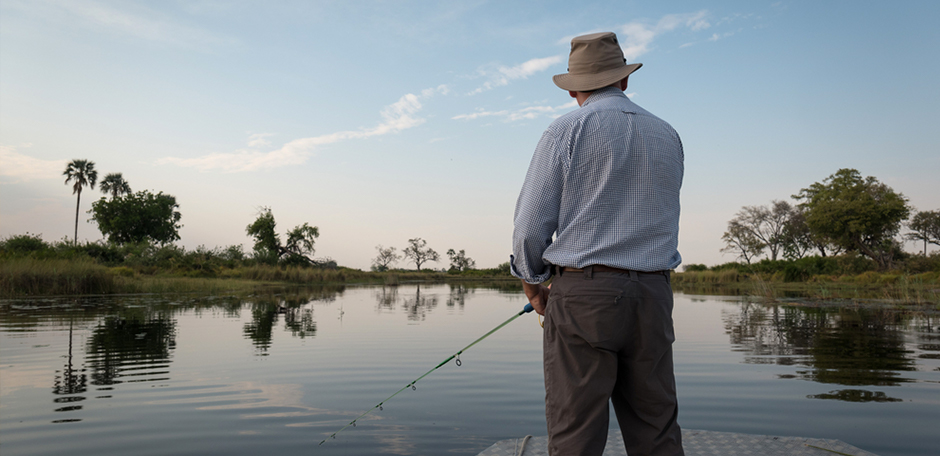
[
  {"x": 397, "y": 116},
  {"x": 529, "y": 112},
  {"x": 125, "y": 19},
  {"x": 259, "y": 140},
  {"x": 502, "y": 75},
  {"x": 21, "y": 168},
  {"x": 637, "y": 37},
  {"x": 718, "y": 36}
]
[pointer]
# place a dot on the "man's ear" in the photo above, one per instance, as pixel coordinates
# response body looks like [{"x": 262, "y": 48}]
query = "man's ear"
[
  {"x": 572, "y": 94},
  {"x": 623, "y": 83}
]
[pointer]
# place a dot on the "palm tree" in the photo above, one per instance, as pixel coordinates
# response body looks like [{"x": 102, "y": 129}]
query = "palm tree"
[
  {"x": 82, "y": 173},
  {"x": 114, "y": 184}
]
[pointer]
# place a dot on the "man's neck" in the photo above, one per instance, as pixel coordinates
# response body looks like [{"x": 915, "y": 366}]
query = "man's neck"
[{"x": 581, "y": 97}]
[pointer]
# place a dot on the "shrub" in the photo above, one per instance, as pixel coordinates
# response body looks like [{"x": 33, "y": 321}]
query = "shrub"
[
  {"x": 919, "y": 263},
  {"x": 23, "y": 244},
  {"x": 853, "y": 263}
]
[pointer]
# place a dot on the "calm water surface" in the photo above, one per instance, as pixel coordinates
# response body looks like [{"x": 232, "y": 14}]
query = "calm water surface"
[{"x": 277, "y": 372}]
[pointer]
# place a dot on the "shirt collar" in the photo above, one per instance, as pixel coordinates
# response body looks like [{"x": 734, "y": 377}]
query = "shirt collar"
[{"x": 604, "y": 92}]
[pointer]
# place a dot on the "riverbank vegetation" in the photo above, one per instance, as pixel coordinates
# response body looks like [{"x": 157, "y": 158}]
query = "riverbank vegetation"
[
  {"x": 914, "y": 278},
  {"x": 30, "y": 266}
]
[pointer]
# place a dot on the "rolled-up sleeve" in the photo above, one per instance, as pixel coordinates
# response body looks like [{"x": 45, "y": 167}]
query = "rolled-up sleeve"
[{"x": 537, "y": 209}]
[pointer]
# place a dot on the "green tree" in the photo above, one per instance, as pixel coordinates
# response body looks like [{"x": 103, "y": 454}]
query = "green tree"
[
  {"x": 740, "y": 241},
  {"x": 459, "y": 261},
  {"x": 418, "y": 253},
  {"x": 138, "y": 217},
  {"x": 856, "y": 214},
  {"x": 267, "y": 243},
  {"x": 385, "y": 258},
  {"x": 268, "y": 248},
  {"x": 925, "y": 226},
  {"x": 114, "y": 184},
  {"x": 798, "y": 240},
  {"x": 82, "y": 174},
  {"x": 300, "y": 241}
]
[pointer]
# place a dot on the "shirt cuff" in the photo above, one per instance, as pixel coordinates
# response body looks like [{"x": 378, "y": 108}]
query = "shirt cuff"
[{"x": 529, "y": 278}]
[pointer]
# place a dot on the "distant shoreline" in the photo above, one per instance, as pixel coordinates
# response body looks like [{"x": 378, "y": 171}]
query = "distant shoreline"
[{"x": 24, "y": 277}]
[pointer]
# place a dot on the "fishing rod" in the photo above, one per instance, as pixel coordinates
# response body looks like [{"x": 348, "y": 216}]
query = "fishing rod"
[{"x": 528, "y": 308}]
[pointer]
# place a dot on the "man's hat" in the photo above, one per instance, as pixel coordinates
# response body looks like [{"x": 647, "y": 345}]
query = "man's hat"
[{"x": 596, "y": 61}]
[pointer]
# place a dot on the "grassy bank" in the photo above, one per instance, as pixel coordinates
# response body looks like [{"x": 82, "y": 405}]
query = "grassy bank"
[
  {"x": 31, "y": 267},
  {"x": 29, "y": 276},
  {"x": 83, "y": 276},
  {"x": 895, "y": 287}
]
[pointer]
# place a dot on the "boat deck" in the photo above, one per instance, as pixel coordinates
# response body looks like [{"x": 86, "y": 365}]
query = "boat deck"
[{"x": 701, "y": 443}]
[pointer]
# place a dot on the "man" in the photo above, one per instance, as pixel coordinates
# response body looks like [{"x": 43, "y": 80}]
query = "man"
[{"x": 604, "y": 181}]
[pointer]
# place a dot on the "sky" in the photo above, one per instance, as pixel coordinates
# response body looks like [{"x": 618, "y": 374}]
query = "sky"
[{"x": 382, "y": 121}]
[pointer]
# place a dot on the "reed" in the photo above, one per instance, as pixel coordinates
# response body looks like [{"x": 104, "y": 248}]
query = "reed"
[
  {"x": 169, "y": 284},
  {"x": 708, "y": 277},
  {"x": 31, "y": 277},
  {"x": 295, "y": 274},
  {"x": 892, "y": 287}
]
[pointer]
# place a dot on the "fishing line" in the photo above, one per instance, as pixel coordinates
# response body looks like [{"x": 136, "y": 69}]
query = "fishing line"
[{"x": 525, "y": 310}]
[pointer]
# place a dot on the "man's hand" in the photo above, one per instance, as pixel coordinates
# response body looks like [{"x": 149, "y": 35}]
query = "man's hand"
[{"x": 537, "y": 295}]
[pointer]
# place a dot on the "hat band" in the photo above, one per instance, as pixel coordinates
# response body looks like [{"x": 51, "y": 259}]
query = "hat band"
[{"x": 594, "y": 67}]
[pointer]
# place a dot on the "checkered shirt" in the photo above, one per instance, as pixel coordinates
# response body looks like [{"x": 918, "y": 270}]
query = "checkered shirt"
[{"x": 604, "y": 181}]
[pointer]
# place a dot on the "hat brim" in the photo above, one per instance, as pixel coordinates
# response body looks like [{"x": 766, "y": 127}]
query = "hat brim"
[{"x": 594, "y": 81}]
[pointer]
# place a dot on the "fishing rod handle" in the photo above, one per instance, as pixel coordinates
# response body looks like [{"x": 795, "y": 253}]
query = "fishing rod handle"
[{"x": 528, "y": 308}]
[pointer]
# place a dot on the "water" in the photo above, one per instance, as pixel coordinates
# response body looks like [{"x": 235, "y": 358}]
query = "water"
[{"x": 277, "y": 372}]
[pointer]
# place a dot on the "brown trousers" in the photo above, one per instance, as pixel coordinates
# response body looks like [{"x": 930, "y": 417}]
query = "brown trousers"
[{"x": 608, "y": 336}]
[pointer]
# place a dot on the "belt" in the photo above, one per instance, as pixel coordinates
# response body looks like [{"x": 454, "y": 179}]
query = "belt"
[{"x": 601, "y": 268}]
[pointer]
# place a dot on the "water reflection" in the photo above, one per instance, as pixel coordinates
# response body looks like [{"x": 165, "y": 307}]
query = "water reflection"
[
  {"x": 131, "y": 339},
  {"x": 298, "y": 320},
  {"x": 458, "y": 295},
  {"x": 133, "y": 347},
  {"x": 68, "y": 383},
  {"x": 854, "y": 395},
  {"x": 417, "y": 307},
  {"x": 854, "y": 346},
  {"x": 386, "y": 297}
]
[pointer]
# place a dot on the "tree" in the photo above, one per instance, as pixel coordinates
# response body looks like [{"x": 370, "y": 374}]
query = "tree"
[
  {"x": 114, "y": 184},
  {"x": 267, "y": 243},
  {"x": 385, "y": 258},
  {"x": 300, "y": 240},
  {"x": 798, "y": 240},
  {"x": 766, "y": 224},
  {"x": 83, "y": 174},
  {"x": 855, "y": 213},
  {"x": 459, "y": 261},
  {"x": 138, "y": 217},
  {"x": 925, "y": 226},
  {"x": 417, "y": 252},
  {"x": 742, "y": 242}
]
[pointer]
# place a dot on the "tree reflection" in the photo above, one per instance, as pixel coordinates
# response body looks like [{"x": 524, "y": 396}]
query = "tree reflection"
[
  {"x": 69, "y": 382},
  {"x": 386, "y": 297},
  {"x": 298, "y": 319},
  {"x": 417, "y": 307},
  {"x": 131, "y": 346},
  {"x": 853, "y": 347},
  {"x": 855, "y": 395},
  {"x": 260, "y": 329},
  {"x": 458, "y": 295}
]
